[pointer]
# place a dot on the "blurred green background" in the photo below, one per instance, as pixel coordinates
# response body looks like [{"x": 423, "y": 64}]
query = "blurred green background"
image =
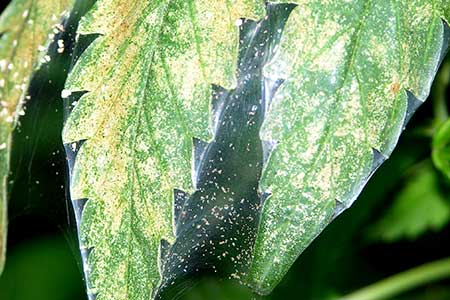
[{"x": 400, "y": 221}]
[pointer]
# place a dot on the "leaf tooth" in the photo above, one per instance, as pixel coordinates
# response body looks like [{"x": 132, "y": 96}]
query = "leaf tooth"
[
  {"x": 78, "y": 207},
  {"x": 268, "y": 147},
  {"x": 446, "y": 42},
  {"x": 199, "y": 147},
  {"x": 82, "y": 43},
  {"x": 72, "y": 150},
  {"x": 72, "y": 99},
  {"x": 339, "y": 208},
  {"x": 264, "y": 197},
  {"x": 219, "y": 95},
  {"x": 91, "y": 295},
  {"x": 378, "y": 159},
  {"x": 413, "y": 105},
  {"x": 179, "y": 199},
  {"x": 271, "y": 86},
  {"x": 85, "y": 252}
]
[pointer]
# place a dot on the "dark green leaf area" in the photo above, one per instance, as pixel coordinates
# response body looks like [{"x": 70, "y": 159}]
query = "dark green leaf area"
[
  {"x": 169, "y": 38},
  {"x": 441, "y": 149},
  {"x": 216, "y": 226},
  {"x": 420, "y": 206}
]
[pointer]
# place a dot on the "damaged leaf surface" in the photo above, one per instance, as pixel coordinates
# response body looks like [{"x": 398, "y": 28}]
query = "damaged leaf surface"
[
  {"x": 147, "y": 79},
  {"x": 355, "y": 73}
]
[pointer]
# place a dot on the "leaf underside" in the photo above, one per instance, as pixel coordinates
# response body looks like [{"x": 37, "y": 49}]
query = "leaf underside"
[
  {"x": 26, "y": 29},
  {"x": 353, "y": 74}
]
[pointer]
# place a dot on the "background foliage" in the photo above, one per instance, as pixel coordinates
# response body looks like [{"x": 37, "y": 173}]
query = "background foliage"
[{"x": 391, "y": 228}]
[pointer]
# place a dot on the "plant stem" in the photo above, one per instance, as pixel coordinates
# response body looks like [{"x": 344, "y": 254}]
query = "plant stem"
[{"x": 392, "y": 286}]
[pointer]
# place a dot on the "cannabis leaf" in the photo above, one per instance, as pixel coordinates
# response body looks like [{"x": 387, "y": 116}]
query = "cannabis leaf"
[
  {"x": 26, "y": 29},
  {"x": 355, "y": 72},
  {"x": 352, "y": 74},
  {"x": 142, "y": 91},
  {"x": 420, "y": 206}
]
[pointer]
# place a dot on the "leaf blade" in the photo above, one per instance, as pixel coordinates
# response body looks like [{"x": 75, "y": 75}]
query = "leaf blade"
[
  {"x": 344, "y": 96},
  {"x": 148, "y": 91}
]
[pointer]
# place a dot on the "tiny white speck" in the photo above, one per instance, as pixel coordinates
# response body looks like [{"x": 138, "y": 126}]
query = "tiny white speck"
[
  {"x": 3, "y": 65},
  {"x": 65, "y": 93}
]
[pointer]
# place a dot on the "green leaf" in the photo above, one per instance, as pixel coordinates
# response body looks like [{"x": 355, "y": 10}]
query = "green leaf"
[
  {"x": 26, "y": 29},
  {"x": 42, "y": 268},
  {"x": 348, "y": 66},
  {"x": 148, "y": 80},
  {"x": 441, "y": 149},
  {"x": 420, "y": 206},
  {"x": 141, "y": 92}
]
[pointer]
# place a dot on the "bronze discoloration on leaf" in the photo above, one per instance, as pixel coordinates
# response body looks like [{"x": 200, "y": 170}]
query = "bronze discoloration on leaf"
[
  {"x": 346, "y": 67},
  {"x": 148, "y": 78}
]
